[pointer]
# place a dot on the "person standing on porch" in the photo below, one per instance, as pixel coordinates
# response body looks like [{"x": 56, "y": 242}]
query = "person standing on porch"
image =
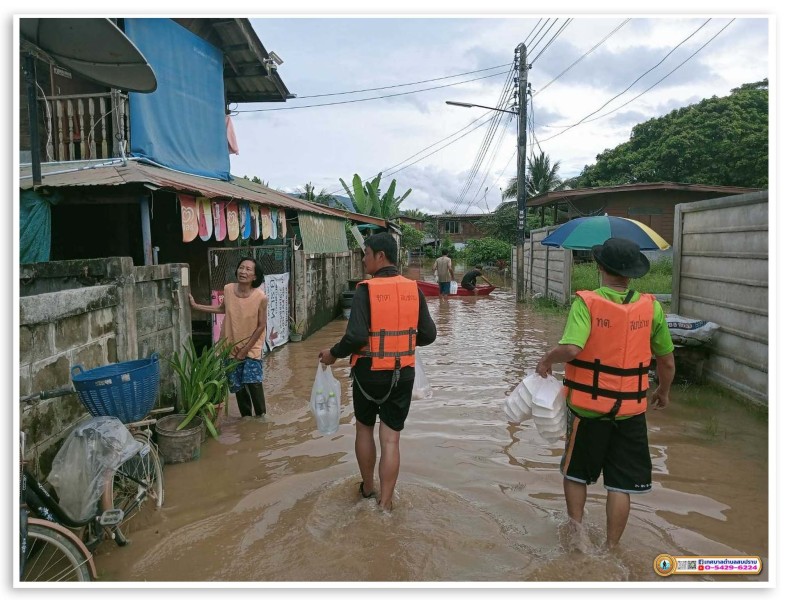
[
  {"x": 389, "y": 318},
  {"x": 245, "y": 310},
  {"x": 610, "y": 336},
  {"x": 444, "y": 270}
]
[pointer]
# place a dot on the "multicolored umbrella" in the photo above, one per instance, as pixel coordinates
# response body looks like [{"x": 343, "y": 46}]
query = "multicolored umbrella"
[{"x": 585, "y": 232}]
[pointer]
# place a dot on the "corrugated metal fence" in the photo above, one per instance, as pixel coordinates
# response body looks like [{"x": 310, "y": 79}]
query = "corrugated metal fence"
[{"x": 720, "y": 274}]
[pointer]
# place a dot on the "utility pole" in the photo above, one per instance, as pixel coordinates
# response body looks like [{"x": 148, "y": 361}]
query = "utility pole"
[{"x": 521, "y": 207}]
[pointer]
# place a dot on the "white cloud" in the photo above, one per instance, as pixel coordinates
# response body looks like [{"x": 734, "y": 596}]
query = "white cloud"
[{"x": 289, "y": 148}]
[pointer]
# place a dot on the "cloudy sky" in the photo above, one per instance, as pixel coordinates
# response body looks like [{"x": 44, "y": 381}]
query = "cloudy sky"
[{"x": 619, "y": 59}]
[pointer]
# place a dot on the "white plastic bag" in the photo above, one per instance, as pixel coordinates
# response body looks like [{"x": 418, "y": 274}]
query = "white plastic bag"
[
  {"x": 421, "y": 387},
  {"x": 326, "y": 400},
  {"x": 454, "y": 287}
]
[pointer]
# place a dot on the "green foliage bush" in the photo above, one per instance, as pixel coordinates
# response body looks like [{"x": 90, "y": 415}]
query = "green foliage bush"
[{"x": 487, "y": 250}]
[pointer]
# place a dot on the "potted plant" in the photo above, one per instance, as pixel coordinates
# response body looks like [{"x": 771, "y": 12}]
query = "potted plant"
[
  {"x": 203, "y": 382},
  {"x": 296, "y": 330}
]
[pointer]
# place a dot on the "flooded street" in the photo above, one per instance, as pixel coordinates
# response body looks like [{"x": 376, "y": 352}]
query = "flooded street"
[{"x": 477, "y": 500}]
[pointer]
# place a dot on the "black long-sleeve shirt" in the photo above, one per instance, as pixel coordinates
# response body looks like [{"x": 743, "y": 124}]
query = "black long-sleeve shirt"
[{"x": 356, "y": 336}]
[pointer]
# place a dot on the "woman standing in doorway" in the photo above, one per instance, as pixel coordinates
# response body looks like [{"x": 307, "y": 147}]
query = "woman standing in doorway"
[{"x": 245, "y": 310}]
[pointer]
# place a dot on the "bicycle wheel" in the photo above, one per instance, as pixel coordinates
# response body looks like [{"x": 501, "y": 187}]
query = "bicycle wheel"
[
  {"x": 138, "y": 490},
  {"x": 51, "y": 556}
]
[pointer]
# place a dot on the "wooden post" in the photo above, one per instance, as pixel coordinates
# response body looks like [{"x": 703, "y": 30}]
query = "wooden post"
[{"x": 147, "y": 245}]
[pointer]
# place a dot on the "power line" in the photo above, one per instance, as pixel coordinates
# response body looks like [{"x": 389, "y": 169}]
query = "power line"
[
  {"x": 663, "y": 78},
  {"x": 504, "y": 97},
  {"x": 552, "y": 39},
  {"x": 568, "y": 127},
  {"x": 572, "y": 65},
  {"x": 437, "y": 87},
  {"x": 387, "y": 87},
  {"x": 425, "y": 149}
]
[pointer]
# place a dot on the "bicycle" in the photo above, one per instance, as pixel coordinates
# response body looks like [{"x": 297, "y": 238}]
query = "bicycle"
[
  {"x": 60, "y": 555},
  {"x": 48, "y": 551}
]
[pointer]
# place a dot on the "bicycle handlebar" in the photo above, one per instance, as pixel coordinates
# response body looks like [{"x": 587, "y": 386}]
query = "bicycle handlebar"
[{"x": 46, "y": 394}]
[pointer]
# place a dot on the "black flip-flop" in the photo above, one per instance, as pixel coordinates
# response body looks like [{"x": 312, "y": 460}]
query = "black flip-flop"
[{"x": 369, "y": 495}]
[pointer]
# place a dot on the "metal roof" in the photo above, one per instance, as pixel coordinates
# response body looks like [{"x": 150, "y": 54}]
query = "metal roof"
[
  {"x": 114, "y": 173},
  {"x": 666, "y": 186},
  {"x": 248, "y": 75}
]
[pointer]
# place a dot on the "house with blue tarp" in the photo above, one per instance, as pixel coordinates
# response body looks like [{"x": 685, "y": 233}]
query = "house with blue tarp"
[{"x": 147, "y": 174}]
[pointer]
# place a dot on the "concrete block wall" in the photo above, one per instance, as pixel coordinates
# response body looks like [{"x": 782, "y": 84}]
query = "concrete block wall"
[
  {"x": 92, "y": 313},
  {"x": 58, "y": 331}
]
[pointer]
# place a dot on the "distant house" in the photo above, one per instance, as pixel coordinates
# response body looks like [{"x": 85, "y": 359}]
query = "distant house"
[
  {"x": 460, "y": 229},
  {"x": 412, "y": 221},
  {"x": 652, "y": 204}
]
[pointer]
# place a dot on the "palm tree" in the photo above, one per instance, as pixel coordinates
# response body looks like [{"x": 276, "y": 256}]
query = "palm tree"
[
  {"x": 307, "y": 193},
  {"x": 542, "y": 177}
]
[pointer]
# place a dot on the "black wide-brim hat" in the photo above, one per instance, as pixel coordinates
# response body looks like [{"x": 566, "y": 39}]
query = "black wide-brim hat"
[{"x": 619, "y": 256}]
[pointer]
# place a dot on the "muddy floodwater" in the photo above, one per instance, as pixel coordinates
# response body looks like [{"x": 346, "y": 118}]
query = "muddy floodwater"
[{"x": 478, "y": 499}]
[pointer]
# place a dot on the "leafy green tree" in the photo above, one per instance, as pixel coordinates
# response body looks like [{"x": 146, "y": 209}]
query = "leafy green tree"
[
  {"x": 487, "y": 250},
  {"x": 501, "y": 223},
  {"x": 718, "y": 141},
  {"x": 415, "y": 213},
  {"x": 412, "y": 238},
  {"x": 368, "y": 200}
]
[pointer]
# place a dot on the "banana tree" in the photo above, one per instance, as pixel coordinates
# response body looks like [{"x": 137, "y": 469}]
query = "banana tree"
[{"x": 367, "y": 200}]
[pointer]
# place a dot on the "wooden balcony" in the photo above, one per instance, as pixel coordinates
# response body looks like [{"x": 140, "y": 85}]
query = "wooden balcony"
[{"x": 84, "y": 126}]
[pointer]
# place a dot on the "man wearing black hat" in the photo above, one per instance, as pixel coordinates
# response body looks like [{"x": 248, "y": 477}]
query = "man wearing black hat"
[{"x": 610, "y": 336}]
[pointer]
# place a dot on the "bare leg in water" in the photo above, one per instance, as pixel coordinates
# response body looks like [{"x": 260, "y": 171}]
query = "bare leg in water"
[
  {"x": 389, "y": 465},
  {"x": 365, "y": 454}
]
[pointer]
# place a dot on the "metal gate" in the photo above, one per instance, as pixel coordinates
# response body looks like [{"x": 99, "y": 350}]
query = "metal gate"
[{"x": 222, "y": 262}]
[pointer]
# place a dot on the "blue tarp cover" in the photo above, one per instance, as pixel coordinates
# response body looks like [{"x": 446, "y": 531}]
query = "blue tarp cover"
[
  {"x": 181, "y": 125},
  {"x": 35, "y": 226}
]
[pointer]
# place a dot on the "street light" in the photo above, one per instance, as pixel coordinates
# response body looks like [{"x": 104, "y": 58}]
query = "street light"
[
  {"x": 521, "y": 82},
  {"x": 466, "y": 105}
]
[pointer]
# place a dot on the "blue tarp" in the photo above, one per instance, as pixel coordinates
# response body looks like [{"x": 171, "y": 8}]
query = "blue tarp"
[
  {"x": 181, "y": 125},
  {"x": 35, "y": 226}
]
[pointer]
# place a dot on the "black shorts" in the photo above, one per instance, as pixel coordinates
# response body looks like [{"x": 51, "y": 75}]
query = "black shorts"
[
  {"x": 393, "y": 411},
  {"x": 468, "y": 286},
  {"x": 619, "y": 449}
]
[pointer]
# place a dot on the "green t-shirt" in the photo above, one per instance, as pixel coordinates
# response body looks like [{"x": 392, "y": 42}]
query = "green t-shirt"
[{"x": 577, "y": 329}]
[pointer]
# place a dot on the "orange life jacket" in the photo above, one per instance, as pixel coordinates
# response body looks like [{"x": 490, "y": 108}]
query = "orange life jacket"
[
  {"x": 393, "y": 304},
  {"x": 610, "y": 374}
]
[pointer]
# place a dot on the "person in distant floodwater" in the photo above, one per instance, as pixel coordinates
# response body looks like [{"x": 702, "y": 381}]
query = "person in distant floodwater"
[
  {"x": 468, "y": 281},
  {"x": 444, "y": 271}
]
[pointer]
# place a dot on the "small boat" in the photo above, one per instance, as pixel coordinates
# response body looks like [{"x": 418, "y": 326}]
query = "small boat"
[{"x": 430, "y": 288}]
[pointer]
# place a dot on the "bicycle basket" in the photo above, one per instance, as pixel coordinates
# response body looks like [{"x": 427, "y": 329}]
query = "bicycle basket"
[{"x": 126, "y": 390}]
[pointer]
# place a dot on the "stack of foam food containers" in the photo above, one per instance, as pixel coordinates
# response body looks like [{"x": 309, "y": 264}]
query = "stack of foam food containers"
[
  {"x": 517, "y": 406},
  {"x": 544, "y": 400},
  {"x": 548, "y": 406}
]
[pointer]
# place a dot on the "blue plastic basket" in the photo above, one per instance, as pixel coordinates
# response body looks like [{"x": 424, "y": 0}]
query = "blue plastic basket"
[{"x": 126, "y": 390}]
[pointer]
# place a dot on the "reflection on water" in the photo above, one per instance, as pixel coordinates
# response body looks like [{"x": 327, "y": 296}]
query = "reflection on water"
[{"x": 478, "y": 499}]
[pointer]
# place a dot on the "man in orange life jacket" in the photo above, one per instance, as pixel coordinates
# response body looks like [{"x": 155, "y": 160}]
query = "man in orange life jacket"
[
  {"x": 388, "y": 319},
  {"x": 610, "y": 336}
]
